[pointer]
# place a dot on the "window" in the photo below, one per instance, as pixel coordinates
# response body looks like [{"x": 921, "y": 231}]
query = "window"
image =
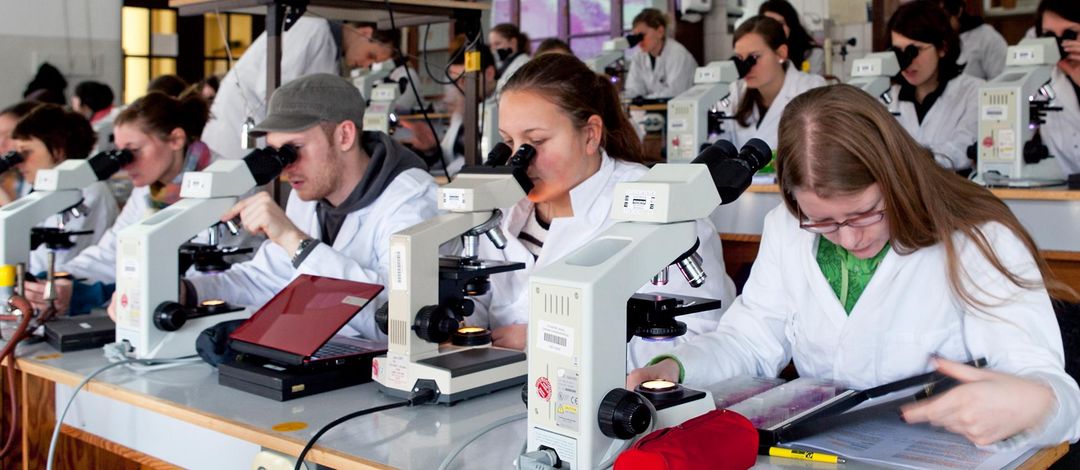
[
  {"x": 217, "y": 27},
  {"x": 149, "y": 41},
  {"x": 584, "y": 24}
]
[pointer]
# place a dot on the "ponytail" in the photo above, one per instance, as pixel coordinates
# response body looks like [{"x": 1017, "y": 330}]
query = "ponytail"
[
  {"x": 158, "y": 114},
  {"x": 567, "y": 82}
]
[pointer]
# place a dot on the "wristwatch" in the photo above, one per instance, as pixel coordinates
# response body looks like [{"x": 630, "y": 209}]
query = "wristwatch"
[{"x": 305, "y": 247}]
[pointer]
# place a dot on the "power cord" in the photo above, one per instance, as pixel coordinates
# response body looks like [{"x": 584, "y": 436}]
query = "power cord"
[
  {"x": 74, "y": 393},
  {"x": 419, "y": 396},
  {"x": 491, "y": 427}
]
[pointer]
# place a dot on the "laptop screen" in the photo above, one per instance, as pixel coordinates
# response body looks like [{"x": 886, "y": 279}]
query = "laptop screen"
[{"x": 306, "y": 313}]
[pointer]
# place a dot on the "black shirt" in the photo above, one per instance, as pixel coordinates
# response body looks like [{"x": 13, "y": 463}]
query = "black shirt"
[{"x": 907, "y": 93}]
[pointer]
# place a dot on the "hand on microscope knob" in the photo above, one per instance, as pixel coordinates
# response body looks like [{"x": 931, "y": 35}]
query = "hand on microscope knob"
[
  {"x": 260, "y": 215},
  {"x": 510, "y": 336},
  {"x": 35, "y": 293},
  {"x": 667, "y": 369}
]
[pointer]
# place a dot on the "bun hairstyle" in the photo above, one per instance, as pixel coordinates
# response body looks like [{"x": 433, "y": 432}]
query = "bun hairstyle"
[
  {"x": 581, "y": 93},
  {"x": 158, "y": 114},
  {"x": 66, "y": 134}
]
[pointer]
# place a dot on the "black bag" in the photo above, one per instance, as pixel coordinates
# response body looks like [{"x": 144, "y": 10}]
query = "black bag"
[{"x": 213, "y": 343}]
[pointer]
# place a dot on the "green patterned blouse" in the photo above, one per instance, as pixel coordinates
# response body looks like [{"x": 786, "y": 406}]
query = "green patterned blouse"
[{"x": 847, "y": 274}]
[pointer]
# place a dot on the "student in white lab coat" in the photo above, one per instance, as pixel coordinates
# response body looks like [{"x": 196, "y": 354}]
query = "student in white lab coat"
[
  {"x": 662, "y": 68},
  {"x": 45, "y": 137},
  {"x": 805, "y": 54},
  {"x": 511, "y": 48},
  {"x": 11, "y": 182},
  {"x": 982, "y": 48},
  {"x": 312, "y": 45},
  {"x": 759, "y": 98},
  {"x": 351, "y": 190},
  {"x": 447, "y": 154},
  {"x": 585, "y": 145},
  {"x": 934, "y": 101},
  {"x": 870, "y": 273},
  {"x": 1059, "y": 18},
  {"x": 163, "y": 134}
]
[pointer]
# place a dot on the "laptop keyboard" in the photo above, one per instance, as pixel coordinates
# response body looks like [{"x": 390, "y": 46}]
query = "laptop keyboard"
[{"x": 338, "y": 349}]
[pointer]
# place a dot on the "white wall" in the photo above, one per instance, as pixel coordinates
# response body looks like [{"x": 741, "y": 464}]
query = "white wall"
[{"x": 79, "y": 37}]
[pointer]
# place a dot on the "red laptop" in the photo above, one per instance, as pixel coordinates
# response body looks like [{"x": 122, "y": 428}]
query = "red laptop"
[{"x": 299, "y": 325}]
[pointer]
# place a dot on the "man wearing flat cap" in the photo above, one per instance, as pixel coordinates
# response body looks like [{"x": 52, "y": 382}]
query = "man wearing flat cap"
[{"x": 351, "y": 190}]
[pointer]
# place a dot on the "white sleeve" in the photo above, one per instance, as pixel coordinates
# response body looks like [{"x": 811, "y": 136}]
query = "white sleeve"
[
  {"x": 97, "y": 263},
  {"x": 750, "y": 338},
  {"x": 1018, "y": 333},
  {"x": 950, "y": 150},
  {"x": 994, "y": 54},
  {"x": 680, "y": 76},
  {"x": 100, "y": 215},
  {"x": 249, "y": 284}
]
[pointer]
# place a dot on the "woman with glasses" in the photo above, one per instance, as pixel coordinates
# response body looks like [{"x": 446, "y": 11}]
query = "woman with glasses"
[
  {"x": 934, "y": 101},
  {"x": 881, "y": 265},
  {"x": 770, "y": 80}
]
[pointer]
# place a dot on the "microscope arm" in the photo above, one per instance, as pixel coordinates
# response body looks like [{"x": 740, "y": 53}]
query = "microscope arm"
[{"x": 17, "y": 217}]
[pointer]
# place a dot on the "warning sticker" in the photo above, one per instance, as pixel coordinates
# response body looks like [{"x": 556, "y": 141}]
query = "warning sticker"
[
  {"x": 566, "y": 400},
  {"x": 543, "y": 388},
  {"x": 556, "y": 338}
]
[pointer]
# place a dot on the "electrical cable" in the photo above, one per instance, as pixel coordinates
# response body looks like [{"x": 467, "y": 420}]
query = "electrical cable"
[
  {"x": 8, "y": 351},
  {"x": 419, "y": 397},
  {"x": 75, "y": 392},
  {"x": 416, "y": 94},
  {"x": 491, "y": 427}
]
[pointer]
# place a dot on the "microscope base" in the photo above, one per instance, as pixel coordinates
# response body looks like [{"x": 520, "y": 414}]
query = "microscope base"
[
  {"x": 177, "y": 343},
  {"x": 458, "y": 375}
]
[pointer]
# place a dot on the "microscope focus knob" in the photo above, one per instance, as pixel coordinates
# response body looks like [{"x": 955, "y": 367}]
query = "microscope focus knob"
[
  {"x": 433, "y": 324},
  {"x": 170, "y": 316},
  {"x": 623, "y": 414}
]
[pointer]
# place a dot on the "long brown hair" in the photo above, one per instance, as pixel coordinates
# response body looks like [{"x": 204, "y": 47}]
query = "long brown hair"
[
  {"x": 568, "y": 83},
  {"x": 838, "y": 140},
  {"x": 773, "y": 33}
]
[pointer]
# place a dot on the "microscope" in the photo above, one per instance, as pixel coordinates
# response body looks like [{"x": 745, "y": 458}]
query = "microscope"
[
  {"x": 1011, "y": 108},
  {"x": 695, "y": 116},
  {"x": 612, "y": 58},
  {"x": 579, "y": 413},
  {"x": 152, "y": 255},
  {"x": 56, "y": 191},
  {"x": 874, "y": 73},
  {"x": 380, "y": 115},
  {"x": 428, "y": 345},
  {"x": 367, "y": 80}
]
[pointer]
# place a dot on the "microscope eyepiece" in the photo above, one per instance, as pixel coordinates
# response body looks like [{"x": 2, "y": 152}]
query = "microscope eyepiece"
[
  {"x": 523, "y": 157},
  {"x": 499, "y": 155},
  {"x": 906, "y": 55},
  {"x": 732, "y": 171},
  {"x": 634, "y": 39},
  {"x": 267, "y": 163},
  {"x": 743, "y": 66},
  {"x": 108, "y": 163},
  {"x": 9, "y": 160}
]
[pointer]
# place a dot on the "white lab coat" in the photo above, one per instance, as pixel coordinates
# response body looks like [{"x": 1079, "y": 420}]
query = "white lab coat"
[
  {"x": 98, "y": 198},
  {"x": 673, "y": 74},
  {"x": 360, "y": 252},
  {"x": 508, "y": 72},
  {"x": 907, "y": 313},
  {"x": 307, "y": 48},
  {"x": 507, "y": 302},
  {"x": 983, "y": 49},
  {"x": 795, "y": 84},
  {"x": 1060, "y": 131},
  {"x": 951, "y": 124}
]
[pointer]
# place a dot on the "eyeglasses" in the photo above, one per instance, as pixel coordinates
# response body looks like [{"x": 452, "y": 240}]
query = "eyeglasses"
[{"x": 858, "y": 221}]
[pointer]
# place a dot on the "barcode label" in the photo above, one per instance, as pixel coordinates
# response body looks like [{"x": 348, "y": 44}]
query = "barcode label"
[
  {"x": 560, "y": 340},
  {"x": 556, "y": 337},
  {"x": 399, "y": 271}
]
